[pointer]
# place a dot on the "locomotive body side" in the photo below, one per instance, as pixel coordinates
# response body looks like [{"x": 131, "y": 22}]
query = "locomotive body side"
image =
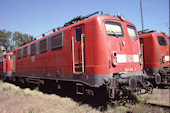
[{"x": 99, "y": 51}]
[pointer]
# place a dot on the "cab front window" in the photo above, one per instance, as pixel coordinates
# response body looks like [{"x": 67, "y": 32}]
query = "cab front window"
[
  {"x": 162, "y": 41},
  {"x": 114, "y": 29},
  {"x": 132, "y": 32}
]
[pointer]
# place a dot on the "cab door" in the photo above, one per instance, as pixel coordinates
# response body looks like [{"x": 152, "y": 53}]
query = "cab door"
[
  {"x": 142, "y": 51},
  {"x": 78, "y": 39}
]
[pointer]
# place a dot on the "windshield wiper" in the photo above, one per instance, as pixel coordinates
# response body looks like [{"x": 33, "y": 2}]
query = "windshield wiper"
[{"x": 114, "y": 34}]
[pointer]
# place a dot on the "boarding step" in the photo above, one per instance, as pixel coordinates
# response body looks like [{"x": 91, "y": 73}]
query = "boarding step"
[
  {"x": 79, "y": 89},
  {"x": 35, "y": 80},
  {"x": 78, "y": 67}
]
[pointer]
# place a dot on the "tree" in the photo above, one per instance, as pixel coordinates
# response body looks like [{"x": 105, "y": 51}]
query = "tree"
[
  {"x": 10, "y": 41},
  {"x": 21, "y": 39},
  {"x": 5, "y": 40}
]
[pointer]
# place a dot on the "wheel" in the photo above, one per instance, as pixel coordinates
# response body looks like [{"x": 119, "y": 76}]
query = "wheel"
[{"x": 149, "y": 87}]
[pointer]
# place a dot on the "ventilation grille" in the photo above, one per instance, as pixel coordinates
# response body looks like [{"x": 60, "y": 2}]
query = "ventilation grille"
[{"x": 57, "y": 41}]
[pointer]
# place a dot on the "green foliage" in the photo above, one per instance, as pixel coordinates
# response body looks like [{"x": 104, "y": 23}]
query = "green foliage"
[
  {"x": 20, "y": 38},
  {"x": 5, "y": 37},
  {"x": 10, "y": 41}
]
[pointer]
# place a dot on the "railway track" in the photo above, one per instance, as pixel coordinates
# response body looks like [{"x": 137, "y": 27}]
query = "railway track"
[
  {"x": 157, "y": 105},
  {"x": 164, "y": 86}
]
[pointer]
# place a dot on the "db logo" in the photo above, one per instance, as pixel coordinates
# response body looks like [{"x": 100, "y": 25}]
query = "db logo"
[{"x": 129, "y": 58}]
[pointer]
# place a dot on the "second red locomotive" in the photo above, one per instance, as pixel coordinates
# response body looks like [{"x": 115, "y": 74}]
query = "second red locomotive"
[{"x": 155, "y": 49}]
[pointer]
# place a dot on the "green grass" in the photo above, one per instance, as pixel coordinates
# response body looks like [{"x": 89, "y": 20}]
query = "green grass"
[
  {"x": 31, "y": 111},
  {"x": 6, "y": 88},
  {"x": 36, "y": 89},
  {"x": 21, "y": 93},
  {"x": 109, "y": 106},
  {"x": 27, "y": 94},
  {"x": 18, "y": 93},
  {"x": 121, "y": 109}
]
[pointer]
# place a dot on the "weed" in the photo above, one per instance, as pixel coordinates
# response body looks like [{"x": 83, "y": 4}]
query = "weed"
[
  {"x": 6, "y": 88},
  {"x": 31, "y": 111},
  {"x": 121, "y": 109},
  {"x": 141, "y": 101},
  {"x": 17, "y": 93},
  {"x": 108, "y": 106},
  {"x": 36, "y": 89},
  {"x": 27, "y": 94},
  {"x": 21, "y": 93}
]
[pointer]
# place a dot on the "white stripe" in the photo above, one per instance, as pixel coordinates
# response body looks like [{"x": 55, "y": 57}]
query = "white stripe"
[
  {"x": 121, "y": 58},
  {"x": 135, "y": 58},
  {"x": 167, "y": 58}
]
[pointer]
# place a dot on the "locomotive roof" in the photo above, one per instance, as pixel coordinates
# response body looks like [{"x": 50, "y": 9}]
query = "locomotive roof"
[
  {"x": 145, "y": 35},
  {"x": 97, "y": 17}
]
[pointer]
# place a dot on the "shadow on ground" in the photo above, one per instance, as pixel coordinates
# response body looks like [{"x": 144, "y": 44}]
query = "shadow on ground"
[{"x": 97, "y": 102}]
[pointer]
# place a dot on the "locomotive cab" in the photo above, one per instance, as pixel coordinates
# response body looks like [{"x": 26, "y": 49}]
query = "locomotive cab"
[{"x": 109, "y": 54}]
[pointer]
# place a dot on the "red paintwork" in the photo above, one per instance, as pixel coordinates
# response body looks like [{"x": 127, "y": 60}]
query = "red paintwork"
[
  {"x": 98, "y": 50},
  {"x": 153, "y": 52},
  {"x": 7, "y": 63}
]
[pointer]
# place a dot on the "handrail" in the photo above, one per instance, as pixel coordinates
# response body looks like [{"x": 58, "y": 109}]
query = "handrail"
[
  {"x": 73, "y": 54},
  {"x": 82, "y": 50}
]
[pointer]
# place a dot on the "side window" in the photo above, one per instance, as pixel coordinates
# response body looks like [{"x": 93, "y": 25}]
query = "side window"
[
  {"x": 132, "y": 32},
  {"x": 162, "y": 41},
  {"x": 57, "y": 40},
  {"x": 114, "y": 29},
  {"x": 10, "y": 57},
  {"x": 19, "y": 54},
  {"x": 25, "y": 51},
  {"x": 43, "y": 45},
  {"x": 78, "y": 33},
  {"x": 32, "y": 49}
]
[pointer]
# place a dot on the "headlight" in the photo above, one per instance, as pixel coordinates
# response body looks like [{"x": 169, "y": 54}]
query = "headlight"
[
  {"x": 163, "y": 58},
  {"x": 114, "y": 62},
  {"x": 114, "y": 54}
]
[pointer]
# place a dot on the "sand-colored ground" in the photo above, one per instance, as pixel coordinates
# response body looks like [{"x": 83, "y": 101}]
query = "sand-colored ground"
[{"x": 16, "y": 100}]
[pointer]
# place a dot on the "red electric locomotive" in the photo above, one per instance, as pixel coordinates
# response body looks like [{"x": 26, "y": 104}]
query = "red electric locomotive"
[
  {"x": 155, "y": 48},
  {"x": 101, "y": 52},
  {"x": 6, "y": 65}
]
